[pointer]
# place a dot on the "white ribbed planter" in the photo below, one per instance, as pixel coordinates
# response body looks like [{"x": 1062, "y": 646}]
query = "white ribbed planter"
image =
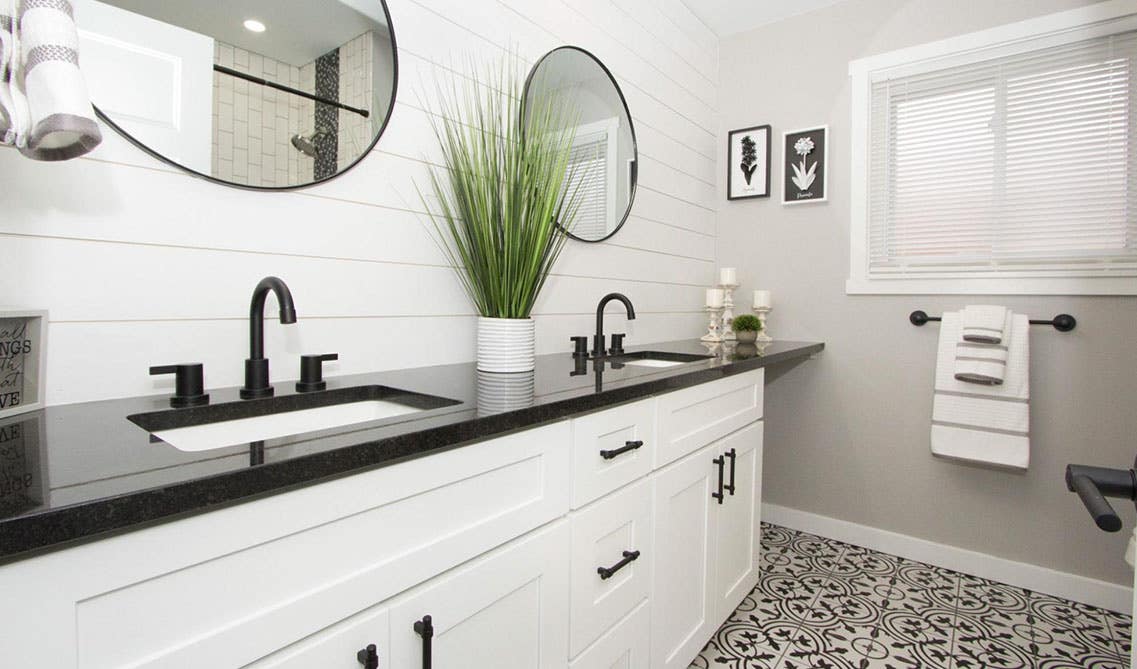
[{"x": 505, "y": 344}]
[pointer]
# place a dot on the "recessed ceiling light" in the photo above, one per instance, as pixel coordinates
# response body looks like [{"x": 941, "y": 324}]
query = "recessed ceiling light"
[{"x": 254, "y": 26}]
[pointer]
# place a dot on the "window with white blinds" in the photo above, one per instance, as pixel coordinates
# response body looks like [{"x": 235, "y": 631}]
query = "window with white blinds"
[
  {"x": 592, "y": 164},
  {"x": 1016, "y": 166},
  {"x": 588, "y": 162}
]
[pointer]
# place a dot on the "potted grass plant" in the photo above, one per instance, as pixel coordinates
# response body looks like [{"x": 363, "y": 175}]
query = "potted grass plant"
[
  {"x": 746, "y": 328},
  {"x": 495, "y": 201}
]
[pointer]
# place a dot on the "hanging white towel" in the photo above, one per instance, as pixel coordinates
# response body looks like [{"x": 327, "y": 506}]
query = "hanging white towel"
[
  {"x": 13, "y": 106},
  {"x": 984, "y": 323},
  {"x": 61, "y": 120},
  {"x": 980, "y": 423}
]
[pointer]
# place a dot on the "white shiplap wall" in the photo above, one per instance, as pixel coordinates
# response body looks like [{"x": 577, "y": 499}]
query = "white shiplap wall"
[{"x": 140, "y": 264}]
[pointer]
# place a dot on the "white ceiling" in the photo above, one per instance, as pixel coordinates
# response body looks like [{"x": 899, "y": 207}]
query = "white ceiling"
[
  {"x": 727, "y": 17},
  {"x": 299, "y": 31}
]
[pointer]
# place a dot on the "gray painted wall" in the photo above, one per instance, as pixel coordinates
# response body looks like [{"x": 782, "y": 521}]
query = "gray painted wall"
[{"x": 847, "y": 435}]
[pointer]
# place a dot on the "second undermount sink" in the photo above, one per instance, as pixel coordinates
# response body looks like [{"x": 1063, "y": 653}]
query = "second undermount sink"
[
  {"x": 240, "y": 423},
  {"x": 656, "y": 358}
]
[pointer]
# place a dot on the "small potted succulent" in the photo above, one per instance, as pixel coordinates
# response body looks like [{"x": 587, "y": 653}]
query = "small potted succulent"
[{"x": 746, "y": 328}]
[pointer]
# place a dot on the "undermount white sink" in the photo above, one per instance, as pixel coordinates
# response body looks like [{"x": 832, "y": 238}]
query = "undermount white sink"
[
  {"x": 653, "y": 363},
  {"x": 259, "y": 428},
  {"x": 656, "y": 359},
  {"x": 211, "y": 427}
]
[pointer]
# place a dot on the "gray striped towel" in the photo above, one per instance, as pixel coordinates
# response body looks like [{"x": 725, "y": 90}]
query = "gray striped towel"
[
  {"x": 10, "y": 115},
  {"x": 61, "y": 120}
]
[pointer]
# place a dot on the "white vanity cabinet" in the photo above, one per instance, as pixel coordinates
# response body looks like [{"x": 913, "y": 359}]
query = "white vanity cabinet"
[
  {"x": 500, "y": 542},
  {"x": 707, "y": 538}
]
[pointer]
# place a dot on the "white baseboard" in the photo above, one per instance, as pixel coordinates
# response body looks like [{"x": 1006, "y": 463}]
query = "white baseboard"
[{"x": 1032, "y": 577}]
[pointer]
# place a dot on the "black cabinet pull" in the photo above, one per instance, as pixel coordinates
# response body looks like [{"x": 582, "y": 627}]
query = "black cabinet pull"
[
  {"x": 368, "y": 657},
  {"x": 628, "y": 446},
  {"x": 720, "y": 461},
  {"x": 425, "y": 629},
  {"x": 607, "y": 572},
  {"x": 732, "y": 455}
]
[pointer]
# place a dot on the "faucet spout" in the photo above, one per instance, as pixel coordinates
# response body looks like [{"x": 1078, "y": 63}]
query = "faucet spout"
[
  {"x": 256, "y": 366},
  {"x": 257, "y": 312},
  {"x": 598, "y": 346}
]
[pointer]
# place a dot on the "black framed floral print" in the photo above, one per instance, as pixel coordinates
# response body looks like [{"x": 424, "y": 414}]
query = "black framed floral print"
[
  {"x": 748, "y": 163},
  {"x": 805, "y": 165}
]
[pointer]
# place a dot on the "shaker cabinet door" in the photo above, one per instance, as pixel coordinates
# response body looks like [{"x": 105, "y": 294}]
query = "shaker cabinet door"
[
  {"x": 682, "y": 596},
  {"x": 739, "y": 532},
  {"x": 508, "y": 608}
]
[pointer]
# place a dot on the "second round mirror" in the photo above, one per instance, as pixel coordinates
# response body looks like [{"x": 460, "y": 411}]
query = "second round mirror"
[{"x": 604, "y": 152}]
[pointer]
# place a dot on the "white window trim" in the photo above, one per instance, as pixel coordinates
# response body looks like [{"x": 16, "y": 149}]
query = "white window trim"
[{"x": 1104, "y": 18}]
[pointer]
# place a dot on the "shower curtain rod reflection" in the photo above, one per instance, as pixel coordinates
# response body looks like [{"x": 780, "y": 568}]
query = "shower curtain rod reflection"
[{"x": 271, "y": 84}]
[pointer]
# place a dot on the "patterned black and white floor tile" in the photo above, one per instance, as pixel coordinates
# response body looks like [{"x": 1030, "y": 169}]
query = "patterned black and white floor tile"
[{"x": 823, "y": 604}]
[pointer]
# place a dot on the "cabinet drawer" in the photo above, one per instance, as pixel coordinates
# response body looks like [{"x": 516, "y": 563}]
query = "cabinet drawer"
[
  {"x": 614, "y": 533},
  {"x": 625, "y": 646},
  {"x": 337, "y": 646},
  {"x": 614, "y": 433},
  {"x": 694, "y": 417},
  {"x": 384, "y": 532}
]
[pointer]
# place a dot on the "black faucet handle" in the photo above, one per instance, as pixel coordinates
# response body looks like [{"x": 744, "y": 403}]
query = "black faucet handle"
[
  {"x": 189, "y": 383},
  {"x": 580, "y": 346},
  {"x": 312, "y": 372},
  {"x": 617, "y": 344}
]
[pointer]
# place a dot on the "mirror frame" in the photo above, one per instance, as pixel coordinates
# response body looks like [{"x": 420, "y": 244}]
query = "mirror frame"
[
  {"x": 208, "y": 177},
  {"x": 631, "y": 128}
]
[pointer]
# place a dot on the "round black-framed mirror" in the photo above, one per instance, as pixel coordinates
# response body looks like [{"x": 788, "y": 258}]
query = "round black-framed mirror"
[
  {"x": 254, "y": 94},
  {"x": 605, "y": 151}
]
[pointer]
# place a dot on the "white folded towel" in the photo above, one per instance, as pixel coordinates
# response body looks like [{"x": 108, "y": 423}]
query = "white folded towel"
[
  {"x": 984, "y": 323},
  {"x": 977, "y": 362},
  {"x": 981, "y": 423},
  {"x": 61, "y": 120}
]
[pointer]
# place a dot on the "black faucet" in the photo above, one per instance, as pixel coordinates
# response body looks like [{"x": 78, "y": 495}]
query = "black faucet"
[
  {"x": 598, "y": 340},
  {"x": 256, "y": 366}
]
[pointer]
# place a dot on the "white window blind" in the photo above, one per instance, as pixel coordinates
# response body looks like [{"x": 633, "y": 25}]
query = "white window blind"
[
  {"x": 1023, "y": 165},
  {"x": 588, "y": 162},
  {"x": 593, "y": 170}
]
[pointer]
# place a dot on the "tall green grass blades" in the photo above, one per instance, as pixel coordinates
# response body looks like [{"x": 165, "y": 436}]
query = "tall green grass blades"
[{"x": 502, "y": 187}]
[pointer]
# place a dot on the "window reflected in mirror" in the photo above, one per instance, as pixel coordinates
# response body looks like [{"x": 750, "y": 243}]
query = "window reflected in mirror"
[{"x": 604, "y": 154}]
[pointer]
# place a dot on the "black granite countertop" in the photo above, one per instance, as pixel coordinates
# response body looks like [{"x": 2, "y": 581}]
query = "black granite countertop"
[{"x": 78, "y": 472}]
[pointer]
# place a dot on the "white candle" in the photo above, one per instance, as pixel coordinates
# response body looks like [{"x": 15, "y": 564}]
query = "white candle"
[
  {"x": 762, "y": 299},
  {"x": 714, "y": 297},
  {"x": 728, "y": 276}
]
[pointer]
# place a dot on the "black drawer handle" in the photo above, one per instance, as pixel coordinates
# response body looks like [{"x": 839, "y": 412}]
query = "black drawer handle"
[
  {"x": 733, "y": 456},
  {"x": 628, "y": 446},
  {"x": 607, "y": 572},
  {"x": 368, "y": 657},
  {"x": 720, "y": 461},
  {"x": 425, "y": 629}
]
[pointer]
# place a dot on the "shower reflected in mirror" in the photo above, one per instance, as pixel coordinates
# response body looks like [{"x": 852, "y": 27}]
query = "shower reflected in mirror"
[{"x": 258, "y": 94}]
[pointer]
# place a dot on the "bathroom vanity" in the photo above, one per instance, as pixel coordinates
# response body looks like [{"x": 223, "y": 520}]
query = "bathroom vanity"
[{"x": 607, "y": 517}]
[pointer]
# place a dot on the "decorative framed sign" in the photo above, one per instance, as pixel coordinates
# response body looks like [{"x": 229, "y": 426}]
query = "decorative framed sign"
[
  {"x": 23, "y": 359},
  {"x": 805, "y": 165},
  {"x": 748, "y": 163}
]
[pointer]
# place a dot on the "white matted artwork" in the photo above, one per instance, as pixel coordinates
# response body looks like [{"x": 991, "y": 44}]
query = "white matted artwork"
[
  {"x": 805, "y": 165},
  {"x": 748, "y": 163}
]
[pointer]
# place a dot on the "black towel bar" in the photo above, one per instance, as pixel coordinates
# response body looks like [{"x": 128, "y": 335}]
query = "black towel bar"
[{"x": 1061, "y": 322}]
